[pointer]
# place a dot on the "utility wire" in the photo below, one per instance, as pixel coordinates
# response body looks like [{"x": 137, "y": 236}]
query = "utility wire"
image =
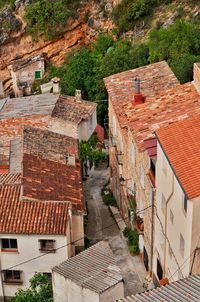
[{"x": 72, "y": 242}]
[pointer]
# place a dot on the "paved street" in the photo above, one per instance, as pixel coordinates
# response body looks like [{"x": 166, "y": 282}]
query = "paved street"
[{"x": 99, "y": 218}]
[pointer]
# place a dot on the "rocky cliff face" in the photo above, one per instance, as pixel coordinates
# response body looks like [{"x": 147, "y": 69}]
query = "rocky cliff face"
[{"x": 15, "y": 43}]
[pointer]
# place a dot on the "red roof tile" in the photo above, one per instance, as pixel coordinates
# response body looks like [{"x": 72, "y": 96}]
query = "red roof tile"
[
  {"x": 68, "y": 108},
  {"x": 44, "y": 179},
  {"x": 31, "y": 217},
  {"x": 166, "y": 100},
  {"x": 181, "y": 144}
]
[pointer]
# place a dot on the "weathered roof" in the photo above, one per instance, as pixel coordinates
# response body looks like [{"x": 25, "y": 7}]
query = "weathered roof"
[
  {"x": 166, "y": 100},
  {"x": 181, "y": 144},
  {"x": 31, "y": 217},
  {"x": 49, "y": 145},
  {"x": 45, "y": 179},
  {"x": 41, "y": 104},
  {"x": 94, "y": 268},
  {"x": 23, "y": 63},
  {"x": 68, "y": 108},
  {"x": 185, "y": 290}
]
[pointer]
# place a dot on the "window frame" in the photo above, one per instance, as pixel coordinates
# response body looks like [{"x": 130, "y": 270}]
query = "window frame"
[
  {"x": 47, "y": 249},
  {"x": 12, "y": 280},
  {"x": 9, "y": 248},
  {"x": 182, "y": 245},
  {"x": 38, "y": 78}
]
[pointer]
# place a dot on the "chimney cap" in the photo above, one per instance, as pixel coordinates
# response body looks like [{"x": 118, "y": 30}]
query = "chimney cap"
[{"x": 55, "y": 80}]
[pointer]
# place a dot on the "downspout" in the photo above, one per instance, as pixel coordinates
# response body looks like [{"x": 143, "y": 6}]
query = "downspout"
[
  {"x": 152, "y": 228},
  {"x": 167, "y": 201},
  {"x": 3, "y": 293}
]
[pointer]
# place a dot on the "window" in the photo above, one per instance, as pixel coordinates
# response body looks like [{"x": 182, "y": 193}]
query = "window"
[
  {"x": 12, "y": 276},
  {"x": 170, "y": 252},
  {"x": 141, "y": 212},
  {"x": 182, "y": 245},
  {"x": 171, "y": 215},
  {"x": 162, "y": 239},
  {"x": 184, "y": 201},
  {"x": 47, "y": 245},
  {"x": 164, "y": 164},
  {"x": 7, "y": 244},
  {"x": 38, "y": 74},
  {"x": 132, "y": 153},
  {"x": 142, "y": 176},
  {"x": 163, "y": 202}
]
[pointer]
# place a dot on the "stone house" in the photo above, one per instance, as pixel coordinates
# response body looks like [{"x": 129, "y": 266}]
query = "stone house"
[
  {"x": 140, "y": 101},
  {"x": 91, "y": 276},
  {"x": 177, "y": 204},
  {"x": 24, "y": 72},
  {"x": 42, "y": 207}
]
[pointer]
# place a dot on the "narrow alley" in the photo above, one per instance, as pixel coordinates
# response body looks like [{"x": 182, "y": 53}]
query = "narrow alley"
[{"x": 102, "y": 226}]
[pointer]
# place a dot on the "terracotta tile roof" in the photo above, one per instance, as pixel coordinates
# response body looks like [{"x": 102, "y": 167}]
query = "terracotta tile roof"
[
  {"x": 48, "y": 180},
  {"x": 166, "y": 100},
  {"x": 10, "y": 179},
  {"x": 68, "y": 108},
  {"x": 49, "y": 145},
  {"x": 181, "y": 144},
  {"x": 19, "y": 217}
]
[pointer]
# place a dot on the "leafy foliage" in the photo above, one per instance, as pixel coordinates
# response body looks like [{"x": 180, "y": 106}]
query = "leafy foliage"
[
  {"x": 40, "y": 290},
  {"x": 85, "y": 68},
  {"x": 108, "y": 197},
  {"x": 133, "y": 240},
  {"x": 3, "y": 3},
  {"x": 89, "y": 152},
  {"x": 179, "y": 45},
  {"x": 128, "y": 11},
  {"x": 49, "y": 17}
]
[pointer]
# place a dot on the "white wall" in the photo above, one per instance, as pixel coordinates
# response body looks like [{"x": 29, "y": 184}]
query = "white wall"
[
  {"x": 169, "y": 188},
  {"x": 28, "y": 247},
  {"x": 87, "y": 127},
  {"x": 63, "y": 127},
  {"x": 65, "y": 290}
]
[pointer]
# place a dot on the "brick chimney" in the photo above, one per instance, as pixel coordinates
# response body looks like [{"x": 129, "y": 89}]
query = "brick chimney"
[
  {"x": 78, "y": 96},
  {"x": 138, "y": 96},
  {"x": 196, "y": 75}
]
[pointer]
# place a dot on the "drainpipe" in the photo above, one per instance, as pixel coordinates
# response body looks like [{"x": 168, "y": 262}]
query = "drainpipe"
[
  {"x": 167, "y": 201},
  {"x": 3, "y": 293},
  {"x": 152, "y": 228}
]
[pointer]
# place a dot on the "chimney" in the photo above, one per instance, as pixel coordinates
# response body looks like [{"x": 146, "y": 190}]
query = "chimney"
[
  {"x": 138, "y": 96},
  {"x": 196, "y": 75},
  {"x": 78, "y": 96},
  {"x": 56, "y": 85}
]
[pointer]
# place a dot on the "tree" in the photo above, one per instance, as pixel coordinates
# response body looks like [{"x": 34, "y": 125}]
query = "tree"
[
  {"x": 40, "y": 290},
  {"x": 179, "y": 45},
  {"x": 49, "y": 17}
]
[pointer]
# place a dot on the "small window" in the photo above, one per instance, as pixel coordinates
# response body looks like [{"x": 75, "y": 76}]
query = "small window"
[
  {"x": 184, "y": 198},
  {"x": 48, "y": 275},
  {"x": 164, "y": 164},
  {"x": 38, "y": 74},
  {"x": 142, "y": 176},
  {"x": 182, "y": 245},
  {"x": 47, "y": 245},
  {"x": 132, "y": 153},
  {"x": 7, "y": 244},
  {"x": 11, "y": 276},
  {"x": 163, "y": 202},
  {"x": 170, "y": 252},
  {"x": 171, "y": 216}
]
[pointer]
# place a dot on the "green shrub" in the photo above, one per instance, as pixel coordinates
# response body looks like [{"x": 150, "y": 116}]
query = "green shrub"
[
  {"x": 134, "y": 249},
  {"x": 49, "y": 17},
  {"x": 108, "y": 198},
  {"x": 126, "y": 232}
]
